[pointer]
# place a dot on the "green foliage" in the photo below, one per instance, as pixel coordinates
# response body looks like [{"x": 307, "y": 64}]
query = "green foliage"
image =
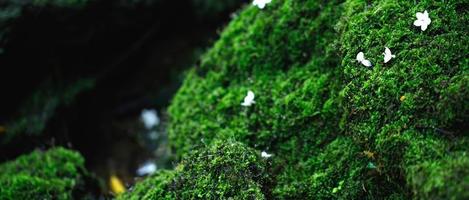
[
  {"x": 294, "y": 75},
  {"x": 411, "y": 135},
  {"x": 224, "y": 170},
  {"x": 338, "y": 129},
  {"x": 446, "y": 178},
  {"x": 54, "y": 174},
  {"x": 290, "y": 87},
  {"x": 153, "y": 187}
]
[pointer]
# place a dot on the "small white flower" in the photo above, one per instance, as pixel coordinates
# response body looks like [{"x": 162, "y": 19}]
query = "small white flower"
[
  {"x": 265, "y": 154},
  {"x": 249, "y": 99},
  {"x": 423, "y": 20},
  {"x": 261, "y": 3},
  {"x": 146, "y": 169},
  {"x": 149, "y": 118},
  {"x": 388, "y": 55},
  {"x": 361, "y": 59}
]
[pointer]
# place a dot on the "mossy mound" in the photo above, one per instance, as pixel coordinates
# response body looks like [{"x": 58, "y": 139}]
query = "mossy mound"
[
  {"x": 223, "y": 170},
  {"x": 54, "y": 174},
  {"x": 153, "y": 187},
  {"x": 338, "y": 129}
]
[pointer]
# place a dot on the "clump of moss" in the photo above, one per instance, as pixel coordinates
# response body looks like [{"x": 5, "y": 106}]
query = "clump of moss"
[
  {"x": 337, "y": 128},
  {"x": 54, "y": 174},
  {"x": 152, "y": 187},
  {"x": 223, "y": 170}
]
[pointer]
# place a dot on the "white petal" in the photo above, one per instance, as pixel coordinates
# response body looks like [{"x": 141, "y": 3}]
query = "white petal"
[
  {"x": 424, "y": 27},
  {"x": 387, "y": 51},
  {"x": 387, "y": 58},
  {"x": 247, "y": 103},
  {"x": 420, "y": 15},
  {"x": 367, "y": 63},
  {"x": 427, "y": 21},
  {"x": 360, "y": 57},
  {"x": 251, "y": 94},
  {"x": 425, "y": 14},
  {"x": 147, "y": 168},
  {"x": 265, "y": 155},
  {"x": 261, "y": 3},
  {"x": 418, "y": 22},
  {"x": 249, "y": 99}
]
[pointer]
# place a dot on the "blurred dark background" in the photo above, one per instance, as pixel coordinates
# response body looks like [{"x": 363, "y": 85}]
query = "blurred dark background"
[{"x": 78, "y": 73}]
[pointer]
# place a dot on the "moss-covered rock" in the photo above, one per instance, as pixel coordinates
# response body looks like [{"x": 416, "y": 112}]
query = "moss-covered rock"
[
  {"x": 222, "y": 171},
  {"x": 153, "y": 187},
  {"x": 54, "y": 174},
  {"x": 339, "y": 129}
]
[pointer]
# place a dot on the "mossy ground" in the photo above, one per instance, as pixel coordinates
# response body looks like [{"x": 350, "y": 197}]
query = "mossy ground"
[
  {"x": 338, "y": 129},
  {"x": 54, "y": 174},
  {"x": 226, "y": 169}
]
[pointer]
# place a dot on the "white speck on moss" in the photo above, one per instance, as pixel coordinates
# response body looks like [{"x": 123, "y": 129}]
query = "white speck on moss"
[
  {"x": 423, "y": 20},
  {"x": 249, "y": 99},
  {"x": 361, "y": 58},
  {"x": 265, "y": 154},
  {"x": 261, "y": 3},
  {"x": 388, "y": 55}
]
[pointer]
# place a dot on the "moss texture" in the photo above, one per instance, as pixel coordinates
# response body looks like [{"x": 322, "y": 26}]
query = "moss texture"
[
  {"x": 336, "y": 128},
  {"x": 54, "y": 174},
  {"x": 223, "y": 170}
]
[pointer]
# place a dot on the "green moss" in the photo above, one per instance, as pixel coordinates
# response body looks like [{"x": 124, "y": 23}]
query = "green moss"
[
  {"x": 337, "y": 128},
  {"x": 153, "y": 187},
  {"x": 446, "y": 178},
  {"x": 224, "y": 170},
  {"x": 254, "y": 54},
  {"x": 54, "y": 174},
  {"x": 430, "y": 71}
]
